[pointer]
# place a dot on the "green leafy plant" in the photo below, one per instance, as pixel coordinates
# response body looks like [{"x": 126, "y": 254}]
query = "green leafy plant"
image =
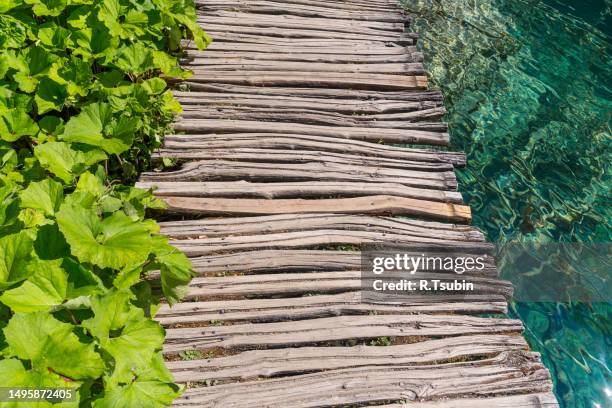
[{"x": 83, "y": 103}]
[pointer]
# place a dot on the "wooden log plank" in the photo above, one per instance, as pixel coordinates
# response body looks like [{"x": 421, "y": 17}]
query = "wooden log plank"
[
  {"x": 315, "y": 306},
  {"x": 315, "y": 45},
  {"x": 281, "y": 8},
  {"x": 512, "y": 371},
  {"x": 204, "y": 170},
  {"x": 294, "y": 239},
  {"x": 302, "y": 33},
  {"x": 293, "y": 156},
  {"x": 183, "y": 143},
  {"x": 193, "y": 100},
  {"x": 341, "y": 132},
  {"x": 327, "y": 282},
  {"x": 375, "y": 51},
  {"x": 380, "y": 205},
  {"x": 270, "y": 260},
  {"x": 273, "y": 363},
  {"x": 204, "y": 65},
  {"x": 338, "y": 5},
  {"x": 233, "y": 51},
  {"x": 332, "y": 93},
  {"x": 532, "y": 400},
  {"x": 328, "y": 79},
  {"x": 335, "y": 24},
  {"x": 270, "y": 335},
  {"x": 404, "y": 120},
  {"x": 308, "y": 189},
  {"x": 242, "y": 226}
]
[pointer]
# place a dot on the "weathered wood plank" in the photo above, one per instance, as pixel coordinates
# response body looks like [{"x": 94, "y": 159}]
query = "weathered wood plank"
[
  {"x": 271, "y": 260},
  {"x": 380, "y": 205},
  {"x": 228, "y": 31},
  {"x": 270, "y": 335},
  {"x": 307, "y": 189},
  {"x": 204, "y": 65},
  {"x": 334, "y": 24},
  {"x": 273, "y": 363},
  {"x": 375, "y": 51},
  {"x": 209, "y": 57},
  {"x": 316, "y": 306},
  {"x": 203, "y": 170},
  {"x": 243, "y": 226},
  {"x": 533, "y": 400},
  {"x": 338, "y": 93},
  {"x": 329, "y": 282},
  {"x": 180, "y": 144},
  {"x": 327, "y": 79},
  {"x": 314, "y": 11},
  {"x": 405, "y": 120},
  {"x": 270, "y": 156},
  {"x": 291, "y": 260},
  {"x": 405, "y": 136},
  {"x": 338, "y": 5},
  {"x": 295, "y": 239},
  {"x": 370, "y": 107},
  {"x": 294, "y": 156},
  {"x": 514, "y": 371}
]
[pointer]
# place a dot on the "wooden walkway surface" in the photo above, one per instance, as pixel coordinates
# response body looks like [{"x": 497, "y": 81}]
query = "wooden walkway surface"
[{"x": 289, "y": 160}]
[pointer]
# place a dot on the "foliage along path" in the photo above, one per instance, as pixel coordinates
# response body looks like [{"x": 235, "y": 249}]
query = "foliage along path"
[{"x": 287, "y": 161}]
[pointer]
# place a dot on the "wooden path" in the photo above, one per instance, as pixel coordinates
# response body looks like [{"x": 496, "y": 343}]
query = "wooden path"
[{"x": 289, "y": 160}]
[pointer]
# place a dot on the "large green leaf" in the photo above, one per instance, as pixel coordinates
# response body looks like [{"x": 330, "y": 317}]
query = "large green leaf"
[
  {"x": 125, "y": 333},
  {"x": 12, "y": 32},
  {"x": 96, "y": 126},
  {"x": 46, "y": 195},
  {"x": 138, "y": 394},
  {"x": 50, "y": 96},
  {"x": 51, "y": 345},
  {"x": 136, "y": 59},
  {"x": 13, "y": 374},
  {"x": 115, "y": 242},
  {"x": 176, "y": 270},
  {"x": 15, "y": 124},
  {"x": 46, "y": 287},
  {"x": 48, "y": 7},
  {"x": 15, "y": 253},
  {"x": 64, "y": 161}
]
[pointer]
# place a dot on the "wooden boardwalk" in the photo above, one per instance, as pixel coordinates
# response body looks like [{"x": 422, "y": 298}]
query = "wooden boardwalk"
[{"x": 288, "y": 161}]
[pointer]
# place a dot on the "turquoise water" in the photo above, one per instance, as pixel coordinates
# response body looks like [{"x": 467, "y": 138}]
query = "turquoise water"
[{"x": 528, "y": 89}]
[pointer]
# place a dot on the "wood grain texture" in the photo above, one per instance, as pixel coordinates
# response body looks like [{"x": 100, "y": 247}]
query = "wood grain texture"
[
  {"x": 304, "y": 10},
  {"x": 308, "y": 189},
  {"x": 307, "y": 79},
  {"x": 272, "y": 363},
  {"x": 272, "y": 260},
  {"x": 341, "y": 132},
  {"x": 290, "y": 157},
  {"x": 251, "y": 52},
  {"x": 205, "y": 170},
  {"x": 270, "y": 335},
  {"x": 468, "y": 237},
  {"x": 513, "y": 371},
  {"x": 317, "y": 306},
  {"x": 381, "y": 205},
  {"x": 535, "y": 400},
  {"x": 403, "y": 120},
  {"x": 338, "y": 25},
  {"x": 373, "y": 106},
  {"x": 330, "y": 282},
  {"x": 182, "y": 144},
  {"x": 346, "y": 94}
]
